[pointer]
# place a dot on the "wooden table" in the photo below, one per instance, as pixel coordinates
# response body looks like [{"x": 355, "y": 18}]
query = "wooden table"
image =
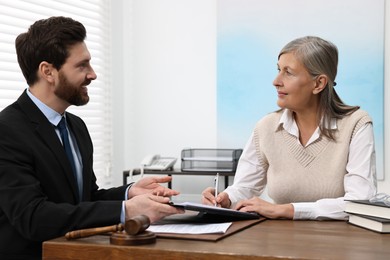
[{"x": 271, "y": 239}]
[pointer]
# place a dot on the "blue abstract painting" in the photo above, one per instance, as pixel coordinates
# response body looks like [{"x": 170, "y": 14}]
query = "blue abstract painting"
[{"x": 250, "y": 34}]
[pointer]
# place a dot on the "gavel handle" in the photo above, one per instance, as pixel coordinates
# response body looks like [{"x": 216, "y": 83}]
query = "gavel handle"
[{"x": 93, "y": 231}]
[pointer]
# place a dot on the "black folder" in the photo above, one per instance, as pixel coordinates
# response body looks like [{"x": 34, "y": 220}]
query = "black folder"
[
  {"x": 216, "y": 214},
  {"x": 199, "y": 213}
]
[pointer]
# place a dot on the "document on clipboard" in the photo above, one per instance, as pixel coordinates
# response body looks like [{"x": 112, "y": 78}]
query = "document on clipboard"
[
  {"x": 215, "y": 212},
  {"x": 203, "y": 214},
  {"x": 196, "y": 228}
]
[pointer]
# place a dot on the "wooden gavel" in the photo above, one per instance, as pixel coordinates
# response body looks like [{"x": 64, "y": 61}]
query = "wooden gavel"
[{"x": 133, "y": 226}]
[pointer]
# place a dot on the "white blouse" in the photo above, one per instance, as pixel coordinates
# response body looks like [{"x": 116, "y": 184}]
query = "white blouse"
[{"x": 359, "y": 182}]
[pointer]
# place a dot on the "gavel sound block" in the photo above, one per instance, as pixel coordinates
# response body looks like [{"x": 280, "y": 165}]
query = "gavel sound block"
[{"x": 132, "y": 233}]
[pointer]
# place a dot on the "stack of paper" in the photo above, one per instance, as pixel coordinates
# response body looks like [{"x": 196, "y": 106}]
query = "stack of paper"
[{"x": 219, "y": 228}]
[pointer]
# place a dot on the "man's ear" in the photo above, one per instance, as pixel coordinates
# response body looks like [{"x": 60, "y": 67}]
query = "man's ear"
[
  {"x": 46, "y": 71},
  {"x": 321, "y": 83}
]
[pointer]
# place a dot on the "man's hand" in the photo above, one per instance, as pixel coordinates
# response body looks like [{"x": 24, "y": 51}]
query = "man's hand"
[
  {"x": 155, "y": 207},
  {"x": 151, "y": 185}
]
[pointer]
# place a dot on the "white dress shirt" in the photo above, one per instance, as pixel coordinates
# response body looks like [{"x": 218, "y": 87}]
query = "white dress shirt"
[{"x": 54, "y": 118}]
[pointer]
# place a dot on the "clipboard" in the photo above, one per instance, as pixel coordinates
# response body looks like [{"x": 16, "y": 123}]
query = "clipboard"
[
  {"x": 216, "y": 213},
  {"x": 193, "y": 217}
]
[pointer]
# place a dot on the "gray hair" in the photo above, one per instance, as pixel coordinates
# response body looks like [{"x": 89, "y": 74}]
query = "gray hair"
[{"x": 319, "y": 56}]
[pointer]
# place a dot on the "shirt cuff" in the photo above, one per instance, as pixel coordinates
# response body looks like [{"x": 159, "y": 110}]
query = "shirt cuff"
[
  {"x": 303, "y": 210},
  {"x": 123, "y": 213}
]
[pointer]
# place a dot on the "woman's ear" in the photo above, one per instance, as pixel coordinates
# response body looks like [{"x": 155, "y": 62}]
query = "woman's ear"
[
  {"x": 321, "y": 83},
  {"x": 46, "y": 71}
]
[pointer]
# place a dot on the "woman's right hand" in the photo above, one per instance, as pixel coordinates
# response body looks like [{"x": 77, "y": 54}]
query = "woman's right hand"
[{"x": 222, "y": 200}]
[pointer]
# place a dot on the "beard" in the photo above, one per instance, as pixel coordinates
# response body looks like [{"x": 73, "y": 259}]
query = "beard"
[{"x": 74, "y": 95}]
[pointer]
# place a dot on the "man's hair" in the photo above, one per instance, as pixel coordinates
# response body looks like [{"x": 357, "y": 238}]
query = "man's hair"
[{"x": 47, "y": 40}]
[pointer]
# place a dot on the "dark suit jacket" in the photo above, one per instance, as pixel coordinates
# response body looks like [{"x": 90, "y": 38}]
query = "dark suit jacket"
[{"x": 38, "y": 192}]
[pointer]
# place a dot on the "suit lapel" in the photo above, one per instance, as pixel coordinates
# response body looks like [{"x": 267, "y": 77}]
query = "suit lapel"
[{"x": 48, "y": 135}]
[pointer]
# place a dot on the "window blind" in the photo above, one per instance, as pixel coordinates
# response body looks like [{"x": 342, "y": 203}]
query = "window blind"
[{"x": 16, "y": 16}]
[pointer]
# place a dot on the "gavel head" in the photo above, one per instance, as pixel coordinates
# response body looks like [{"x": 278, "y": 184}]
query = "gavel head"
[
  {"x": 137, "y": 224},
  {"x": 135, "y": 232}
]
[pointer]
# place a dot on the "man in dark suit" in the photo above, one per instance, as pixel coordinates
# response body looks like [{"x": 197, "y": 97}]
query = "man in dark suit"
[{"x": 45, "y": 190}]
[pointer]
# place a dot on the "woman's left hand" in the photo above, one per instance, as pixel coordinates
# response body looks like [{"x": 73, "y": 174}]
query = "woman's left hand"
[{"x": 266, "y": 209}]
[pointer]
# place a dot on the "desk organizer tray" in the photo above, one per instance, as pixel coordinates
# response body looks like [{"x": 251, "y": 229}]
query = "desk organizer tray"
[{"x": 210, "y": 160}]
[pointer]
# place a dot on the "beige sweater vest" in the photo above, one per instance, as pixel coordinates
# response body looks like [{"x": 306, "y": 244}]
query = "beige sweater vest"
[{"x": 305, "y": 174}]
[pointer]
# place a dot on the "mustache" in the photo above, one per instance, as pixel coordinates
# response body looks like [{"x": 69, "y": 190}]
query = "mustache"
[{"x": 87, "y": 82}]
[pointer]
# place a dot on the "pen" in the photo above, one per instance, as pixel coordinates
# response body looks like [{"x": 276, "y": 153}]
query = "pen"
[{"x": 216, "y": 188}]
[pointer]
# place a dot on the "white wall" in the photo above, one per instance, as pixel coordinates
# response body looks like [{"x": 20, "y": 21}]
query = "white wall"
[
  {"x": 167, "y": 98},
  {"x": 164, "y": 70}
]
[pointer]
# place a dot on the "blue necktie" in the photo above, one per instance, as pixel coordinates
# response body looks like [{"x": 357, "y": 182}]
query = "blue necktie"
[{"x": 65, "y": 142}]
